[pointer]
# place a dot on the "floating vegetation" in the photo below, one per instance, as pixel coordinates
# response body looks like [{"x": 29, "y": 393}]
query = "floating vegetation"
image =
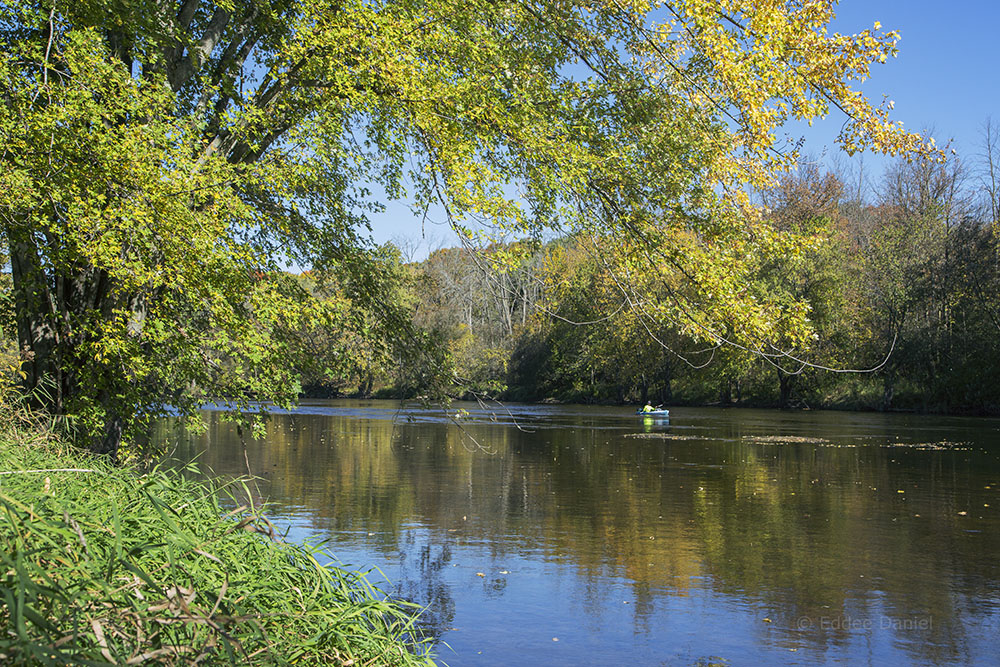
[
  {"x": 785, "y": 440},
  {"x": 941, "y": 445},
  {"x": 803, "y": 440}
]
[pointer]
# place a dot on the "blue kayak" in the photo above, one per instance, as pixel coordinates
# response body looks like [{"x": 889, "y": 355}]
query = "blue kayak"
[{"x": 653, "y": 413}]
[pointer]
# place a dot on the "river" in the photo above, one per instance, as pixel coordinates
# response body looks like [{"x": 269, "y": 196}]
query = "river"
[{"x": 581, "y": 535}]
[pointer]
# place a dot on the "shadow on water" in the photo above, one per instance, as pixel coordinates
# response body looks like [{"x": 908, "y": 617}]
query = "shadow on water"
[{"x": 589, "y": 535}]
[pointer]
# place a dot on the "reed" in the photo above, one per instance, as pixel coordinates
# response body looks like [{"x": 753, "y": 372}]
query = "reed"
[{"x": 102, "y": 564}]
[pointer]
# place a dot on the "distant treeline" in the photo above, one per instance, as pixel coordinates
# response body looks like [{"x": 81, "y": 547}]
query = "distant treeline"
[{"x": 902, "y": 279}]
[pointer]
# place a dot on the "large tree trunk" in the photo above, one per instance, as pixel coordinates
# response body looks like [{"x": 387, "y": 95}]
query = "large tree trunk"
[
  {"x": 365, "y": 386},
  {"x": 726, "y": 391},
  {"x": 786, "y": 383},
  {"x": 37, "y": 335},
  {"x": 52, "y": 310}
]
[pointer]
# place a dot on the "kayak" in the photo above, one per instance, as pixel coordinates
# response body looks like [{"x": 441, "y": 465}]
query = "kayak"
[{"x": 653, "y": 413}]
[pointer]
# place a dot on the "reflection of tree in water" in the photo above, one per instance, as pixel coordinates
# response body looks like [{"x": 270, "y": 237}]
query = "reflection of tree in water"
[
  {"x": 842, "y": 543},
  {"x": 421, "y": 581},
  {"x": 789, "y": 529},
  {"x": 643, "y": 607}
]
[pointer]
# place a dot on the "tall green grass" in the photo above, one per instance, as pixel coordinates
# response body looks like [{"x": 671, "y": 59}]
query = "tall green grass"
[{"x": 103, "y": 565}]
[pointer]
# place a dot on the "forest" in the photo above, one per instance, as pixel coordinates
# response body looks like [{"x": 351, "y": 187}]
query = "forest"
[
  {"x": 901, "y": 277},
  {"x": 901, "y": 282}
]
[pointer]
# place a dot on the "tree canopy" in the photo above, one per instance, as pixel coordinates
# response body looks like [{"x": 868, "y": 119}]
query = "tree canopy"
[{"x": 164, "y": 161}]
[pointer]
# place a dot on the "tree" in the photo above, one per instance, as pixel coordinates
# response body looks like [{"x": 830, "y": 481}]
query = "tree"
[
  {"x": 990, "y": 172},
  {"x": 806, "y": 203},
  {"x": 163, "y": 160}
]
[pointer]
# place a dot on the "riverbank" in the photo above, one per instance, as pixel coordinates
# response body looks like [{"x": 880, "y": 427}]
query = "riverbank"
[
  {"x": 109, "y": 565},
  {"x": 856, "y": 402}
]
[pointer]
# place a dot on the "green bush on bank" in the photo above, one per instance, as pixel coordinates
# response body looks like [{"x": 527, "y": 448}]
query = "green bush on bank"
[{"x": 105, "y": 565}]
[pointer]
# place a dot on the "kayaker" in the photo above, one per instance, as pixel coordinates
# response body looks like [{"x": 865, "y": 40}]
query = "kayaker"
[{"x": 648, "y": 408}]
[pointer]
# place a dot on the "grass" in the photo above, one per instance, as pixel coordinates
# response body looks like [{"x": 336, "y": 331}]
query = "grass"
[{"x": 104, "y": 565}]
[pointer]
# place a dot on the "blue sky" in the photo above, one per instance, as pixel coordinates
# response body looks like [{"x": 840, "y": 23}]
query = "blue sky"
[
  {"x": 946, "y": 75},
  {"x": 945, "y": 78}
]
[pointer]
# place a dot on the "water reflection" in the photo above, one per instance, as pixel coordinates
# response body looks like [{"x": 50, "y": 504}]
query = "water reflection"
[{"x": 569, "y": 535}]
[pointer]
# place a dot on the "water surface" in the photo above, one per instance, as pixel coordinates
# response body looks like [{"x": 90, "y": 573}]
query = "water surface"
[{"x": 572, "y": 535}]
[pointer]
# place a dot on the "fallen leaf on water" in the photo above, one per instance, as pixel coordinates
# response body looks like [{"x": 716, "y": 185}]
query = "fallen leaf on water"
[{"x": 480, "y": 574}]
